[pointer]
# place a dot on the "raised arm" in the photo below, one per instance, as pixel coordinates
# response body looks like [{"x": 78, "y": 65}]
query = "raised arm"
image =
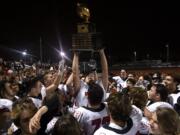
[
  {"x": 104, "y": 66},
  {"x": 38, "y": 120},
  {"x": 57, "y": 80},
  {"x": 76, "y": 73},
  {"x": 70, "y": 79}
]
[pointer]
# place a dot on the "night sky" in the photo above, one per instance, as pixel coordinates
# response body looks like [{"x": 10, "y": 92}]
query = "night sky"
[{"x": 128, "y": 26}]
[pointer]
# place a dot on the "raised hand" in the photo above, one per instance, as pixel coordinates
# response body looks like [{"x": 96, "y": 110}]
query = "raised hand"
[
  {"x": 62, "y": 65},
  {"x": 34, "y": 123}
]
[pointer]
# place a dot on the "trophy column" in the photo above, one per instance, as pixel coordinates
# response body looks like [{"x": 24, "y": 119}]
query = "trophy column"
[{"x": 86, "y": 38}]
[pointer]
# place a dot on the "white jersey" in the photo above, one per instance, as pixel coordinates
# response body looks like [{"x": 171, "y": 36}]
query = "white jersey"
[
  {"x": 51, "y": 124},
  {"x": 43, "y": 92},
  {"x": 13, "y": 128},
  {"x": 144, "y": 126},
  {"x": 37, "y": 102},
  {"x": 173, "y": 98},
  {"x": 91, "y": 119},
  {"x": 81, "y": 98},
  {"x": 131, "y": 128},
  {"x": 6, "y": 103},
  {"x": 120, "y": 82},
  {"x": 63, "y": 88},
  {"x": 153, "y": 107}
]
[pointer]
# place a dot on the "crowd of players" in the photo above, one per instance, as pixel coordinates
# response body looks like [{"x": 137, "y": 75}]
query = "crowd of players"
[{"x": 35, "y": 100}]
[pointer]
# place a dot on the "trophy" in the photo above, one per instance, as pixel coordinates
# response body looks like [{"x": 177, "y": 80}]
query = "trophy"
[{"x": 86, "y": 38}]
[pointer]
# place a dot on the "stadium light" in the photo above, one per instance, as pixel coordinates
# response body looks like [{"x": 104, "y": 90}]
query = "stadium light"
[
  {"x": 62, "y": 54},
  {"x": 24, "y": 53}
]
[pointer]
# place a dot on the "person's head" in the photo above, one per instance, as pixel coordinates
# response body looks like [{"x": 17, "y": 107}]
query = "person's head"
[
  {"x": 169, "y": 79},
  {"x": 119, "y": 107},
  {"x": 140, "y": 81},
  {"x": 9, "y": 89},
  {"x": 156, "y": 78},
  {"x": 48, "y": 79},
  {"x": 34, "y": 87},
  {"x": 165, "y": 121},
  {"x": 138, "y": 97},
  {"x": 170, "y": 83},
  {"x": 123, "y": 74},
  {"x": 22, "y": 111},
  {"x": 90, "y": 77},
  {"x": 130, "y": 83},
  {"x": 62, "y": 96},
  {"x": 95, "y": 94},
  {"x": 141, "y": 78},
  {"x": 5, "y": 115},
  {"x": 131, "y": 76},
  {"x": 158, "y": 92},
  {"x": 112, "y": 85},
  {"x": 17, "y": 78},
  {"x": 67, "y": 125}
]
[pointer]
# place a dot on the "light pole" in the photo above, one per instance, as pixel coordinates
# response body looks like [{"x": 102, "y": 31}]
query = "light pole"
[
  {"x": 40, "y": 47},
  {"x": 147, "y": 56},
  {"x": 167, "y": 53},
  {"x": 24, "y": 53},
  {"x": 135, "y": 54}
]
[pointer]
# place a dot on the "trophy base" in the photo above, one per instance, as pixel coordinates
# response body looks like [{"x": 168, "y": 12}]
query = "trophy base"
[{"x": 86, "y": 41}]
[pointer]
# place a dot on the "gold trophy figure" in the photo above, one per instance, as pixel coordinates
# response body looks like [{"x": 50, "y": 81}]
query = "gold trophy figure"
[{"x": 83, "y": 12}]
